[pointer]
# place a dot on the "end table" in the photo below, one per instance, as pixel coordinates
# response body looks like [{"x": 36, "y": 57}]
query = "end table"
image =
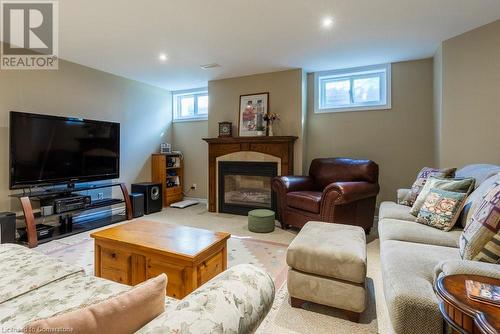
[{"x": 462, "y": 314}]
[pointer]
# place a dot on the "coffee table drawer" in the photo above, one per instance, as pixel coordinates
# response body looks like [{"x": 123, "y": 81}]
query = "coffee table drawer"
[
  {"x": 115, "y": 259},
  {"x": 209, "y": 269}
]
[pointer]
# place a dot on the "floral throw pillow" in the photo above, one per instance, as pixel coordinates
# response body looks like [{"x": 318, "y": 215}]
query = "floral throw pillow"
[
  {"x": 459, "y": 185},
  {"x": 480, "y": 240},
  {"x": 441, "y": 209},
  {"x": 422, "y": 177}
]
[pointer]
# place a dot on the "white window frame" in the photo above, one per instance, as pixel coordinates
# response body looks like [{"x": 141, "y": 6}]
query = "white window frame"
[
  {"x": 175, "y": 105},
  {"x": 354, "y": 73}
]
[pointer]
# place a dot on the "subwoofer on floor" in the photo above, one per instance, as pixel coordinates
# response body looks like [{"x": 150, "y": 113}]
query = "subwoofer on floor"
[
  {"x": 137, "y": 201},
  {"x": 153, "y": 196}
]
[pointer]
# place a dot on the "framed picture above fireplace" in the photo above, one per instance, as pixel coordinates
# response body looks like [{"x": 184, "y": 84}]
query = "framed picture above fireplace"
[{"x": 252, "y": 120}]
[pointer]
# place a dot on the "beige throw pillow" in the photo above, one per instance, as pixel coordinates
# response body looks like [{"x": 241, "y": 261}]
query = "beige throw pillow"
[
  {"x": 420, "y": 181},
  {"x": 125, "y": 313},
  {"x": 465, "y": 185}
]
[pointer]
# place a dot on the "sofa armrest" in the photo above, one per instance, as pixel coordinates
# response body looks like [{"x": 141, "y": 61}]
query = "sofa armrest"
[
  {"x": 235, "y": 301},
  {"x": 402, "y": 193},
  {"x": 351, "y": 191},
  {"x": 290, "y": 183},
  {"x": 456, "y": 267}
]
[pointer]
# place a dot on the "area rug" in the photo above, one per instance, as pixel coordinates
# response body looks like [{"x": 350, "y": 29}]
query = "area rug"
[{"x": 267, "y": 255}]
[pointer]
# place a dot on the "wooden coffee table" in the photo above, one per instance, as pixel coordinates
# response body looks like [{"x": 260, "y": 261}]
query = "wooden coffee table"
[
  {"x": 463, "y": 314},
  {"x": 134, "y": 252}
]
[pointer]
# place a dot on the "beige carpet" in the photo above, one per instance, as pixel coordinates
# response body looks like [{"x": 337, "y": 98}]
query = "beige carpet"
[{"x": 283, "y": 318}]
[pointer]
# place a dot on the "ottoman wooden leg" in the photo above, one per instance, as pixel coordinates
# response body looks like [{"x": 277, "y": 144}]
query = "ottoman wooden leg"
[
  {"x": 296, "y": 302},
  {"x": 352, "y": 316}
]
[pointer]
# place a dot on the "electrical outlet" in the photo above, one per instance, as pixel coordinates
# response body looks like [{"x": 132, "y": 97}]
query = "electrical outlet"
[
  {"x": 194, "y": 186},
  {"x": 100, "y": 196}
]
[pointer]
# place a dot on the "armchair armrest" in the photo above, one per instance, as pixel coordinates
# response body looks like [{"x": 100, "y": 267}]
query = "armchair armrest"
[
  {"x": 236, "y": 300},
  {"x": 290, "y": 183},
  {"x": 351, "y": 191},
  {"x": 456, "y": 267}
]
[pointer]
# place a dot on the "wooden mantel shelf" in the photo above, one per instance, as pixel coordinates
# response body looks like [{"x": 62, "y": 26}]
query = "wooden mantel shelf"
[
  {"x": 277, "y": 146},
  {"x": 261, "y": 139}
]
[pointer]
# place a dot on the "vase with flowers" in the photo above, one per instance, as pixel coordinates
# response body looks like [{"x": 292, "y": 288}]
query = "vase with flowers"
[{"x": 271, "y": 118}]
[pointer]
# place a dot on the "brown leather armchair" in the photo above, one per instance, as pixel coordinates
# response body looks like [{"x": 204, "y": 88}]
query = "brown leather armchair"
[{"x": 337, "y": 190}]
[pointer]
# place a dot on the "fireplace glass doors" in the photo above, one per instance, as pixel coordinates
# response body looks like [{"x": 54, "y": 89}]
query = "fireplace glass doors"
[{"x": 244, "y": 186}]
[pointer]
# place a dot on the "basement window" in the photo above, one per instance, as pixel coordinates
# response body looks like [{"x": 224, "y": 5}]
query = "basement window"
[
  {"x": 190, "y": 105},
  {"x": 354, "y": 89}
]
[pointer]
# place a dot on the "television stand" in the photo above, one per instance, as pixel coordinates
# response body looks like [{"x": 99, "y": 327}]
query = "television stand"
[{"x": 68, "y": 227}]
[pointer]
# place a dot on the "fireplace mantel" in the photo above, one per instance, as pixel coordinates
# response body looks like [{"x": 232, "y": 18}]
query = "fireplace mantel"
[{"x": 277, "y": 146}]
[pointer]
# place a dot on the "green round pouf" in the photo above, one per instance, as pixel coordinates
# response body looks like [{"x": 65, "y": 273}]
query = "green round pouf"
[{"x": 261, "y": 221}]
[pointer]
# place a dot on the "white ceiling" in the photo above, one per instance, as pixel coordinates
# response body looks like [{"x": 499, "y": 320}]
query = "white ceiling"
[{"x": 125, "y": 37}]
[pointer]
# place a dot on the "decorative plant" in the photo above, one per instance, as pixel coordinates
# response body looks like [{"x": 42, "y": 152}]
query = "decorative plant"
[{"x": 271, "y": 118}]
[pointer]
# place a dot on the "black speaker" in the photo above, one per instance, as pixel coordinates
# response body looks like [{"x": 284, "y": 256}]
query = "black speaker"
[
  {"x": 137, "y": 201},
  {"x": 153, "y": 198},
  {"x": 7, "y": 227}
]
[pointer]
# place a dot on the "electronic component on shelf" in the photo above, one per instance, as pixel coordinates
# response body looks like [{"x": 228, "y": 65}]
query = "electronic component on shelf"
[
  {"x": 71, "y": 203},
  {"x": 47, "y": 210},
  {"x": 165, "y": 148},
  {"x": 42, "y": 232}
]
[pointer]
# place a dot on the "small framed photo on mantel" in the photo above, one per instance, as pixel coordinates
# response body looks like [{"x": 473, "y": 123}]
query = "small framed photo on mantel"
[{"x": 252, "y": 121}]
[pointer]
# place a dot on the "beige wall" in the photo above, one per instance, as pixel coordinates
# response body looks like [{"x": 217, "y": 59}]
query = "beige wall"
[
  {"x": 74, "y": 90},
  {"x": 438, "y": 103},
  {"x": 470, "y": 97},
  {"x": 187, "y": 137},
  {"x": 286, "y": 95},
  {"x": 400, "y": 140},
  {"x": 285, "y": 98}
]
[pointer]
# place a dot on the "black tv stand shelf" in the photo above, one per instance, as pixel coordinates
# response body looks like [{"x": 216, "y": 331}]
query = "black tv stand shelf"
[
  {"x": 31, "y": 216},
  {"x": 61, "y": 191},
  {"x": 76, "y": 228}
]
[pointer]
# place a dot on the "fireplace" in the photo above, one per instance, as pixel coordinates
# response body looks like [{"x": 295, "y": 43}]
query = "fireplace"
[
  {"x": 246, "y": 185},
  {"x": 275, "y": 149}
]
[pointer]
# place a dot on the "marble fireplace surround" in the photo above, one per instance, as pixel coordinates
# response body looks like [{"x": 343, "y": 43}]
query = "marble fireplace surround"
[{"x": 277, "y": 149}]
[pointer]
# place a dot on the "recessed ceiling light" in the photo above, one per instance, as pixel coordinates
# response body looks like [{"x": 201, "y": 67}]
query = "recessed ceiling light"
[
  {"x": 327, "y": 22},
  {"x": 162, "y": 57}
]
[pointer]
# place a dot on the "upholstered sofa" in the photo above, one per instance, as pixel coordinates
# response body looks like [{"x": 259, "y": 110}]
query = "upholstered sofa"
[
  {"x": 337, "y": 190},
  {"x": 34, "y": 286},
  {"x": 413, "y": 256}
]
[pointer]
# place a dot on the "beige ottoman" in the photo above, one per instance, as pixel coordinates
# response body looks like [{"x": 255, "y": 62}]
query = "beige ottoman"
[{"x": 328, "y": 266}]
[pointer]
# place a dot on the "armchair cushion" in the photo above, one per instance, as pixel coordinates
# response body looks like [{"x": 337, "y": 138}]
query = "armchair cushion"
[{"x": 304, "y": 200}]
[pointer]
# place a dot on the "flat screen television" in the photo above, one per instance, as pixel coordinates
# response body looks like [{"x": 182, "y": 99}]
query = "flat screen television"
[{"x": 51, "y": 150}]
